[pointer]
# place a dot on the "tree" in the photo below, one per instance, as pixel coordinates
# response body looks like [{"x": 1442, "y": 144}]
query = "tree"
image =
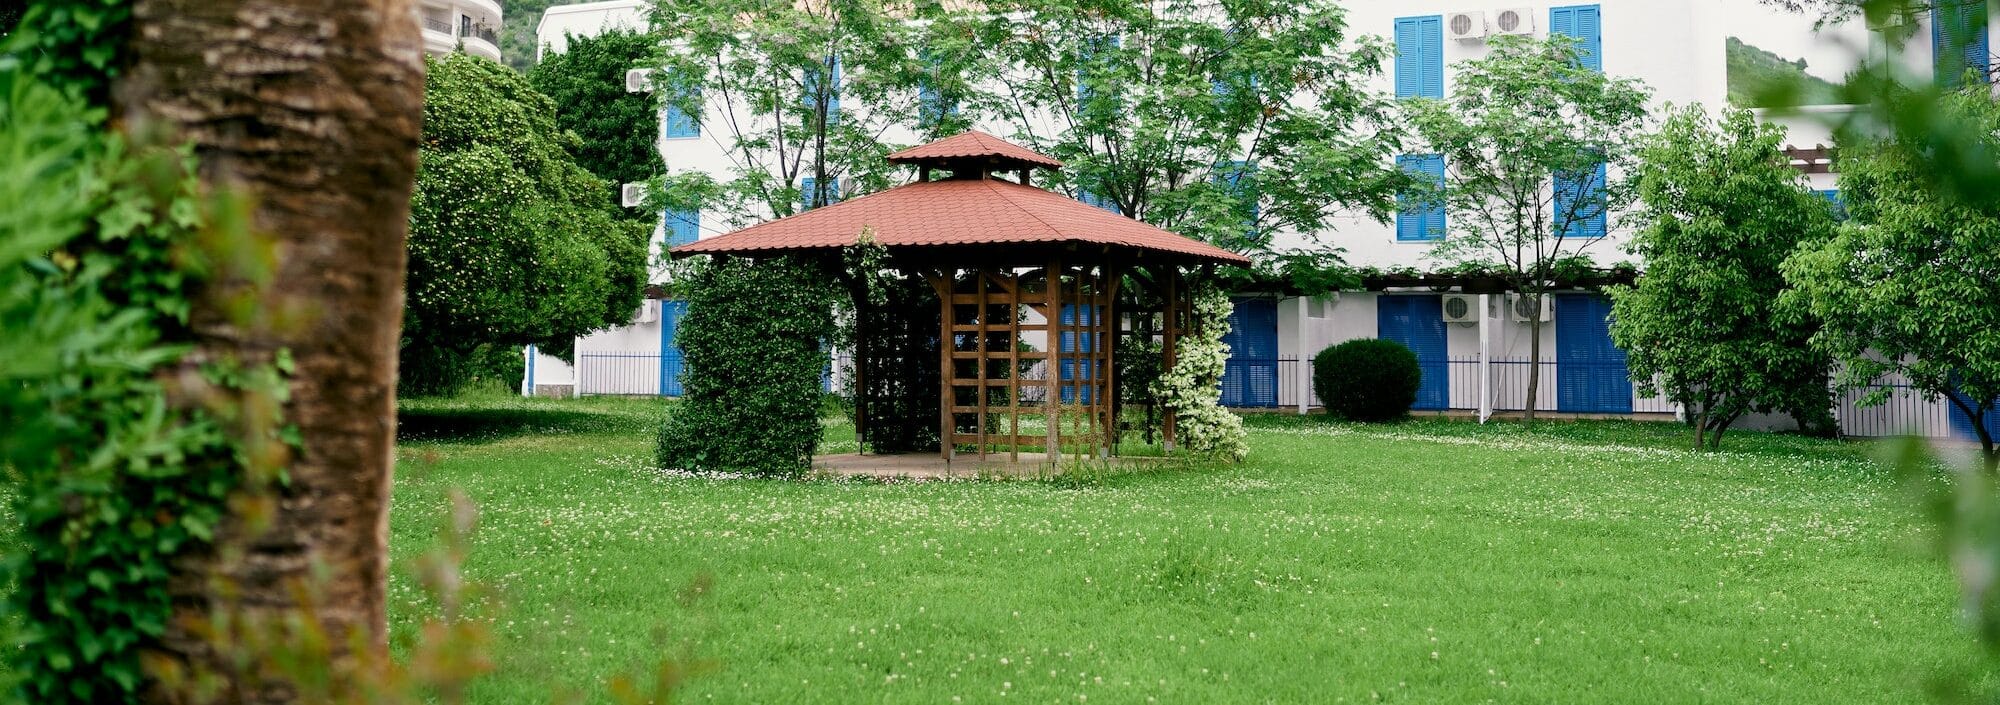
[
  {"x": 616, "y": 132},
  {"x": 1906, "y": 287},
  {"x": 804, "y": 91},
  {"x": 1528, "y": 110},
  {"x": 1226, "y": 122},
  {"x": 511, "y": 242},
  {"x": 311, "y": 111},
  {"x": 1720, "y": 210}
]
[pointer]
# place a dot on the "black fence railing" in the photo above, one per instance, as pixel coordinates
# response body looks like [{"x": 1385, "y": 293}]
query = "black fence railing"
[
  {"x": 1278, "y": 383},
  {"x": 437, "y": 25}
]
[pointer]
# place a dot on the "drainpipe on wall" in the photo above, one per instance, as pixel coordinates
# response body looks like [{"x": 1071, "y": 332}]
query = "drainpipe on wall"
[
  {"x": 528, "y": 376},
  {"x": 1305, "y": 358},
  {"x": 1485, "y": 358}
]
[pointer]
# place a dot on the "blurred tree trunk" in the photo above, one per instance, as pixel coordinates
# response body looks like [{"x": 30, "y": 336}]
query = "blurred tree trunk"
[{"x": 311, "y": 109}]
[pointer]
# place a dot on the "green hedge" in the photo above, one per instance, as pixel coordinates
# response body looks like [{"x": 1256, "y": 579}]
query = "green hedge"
[{"x": 1367, "y": 379}]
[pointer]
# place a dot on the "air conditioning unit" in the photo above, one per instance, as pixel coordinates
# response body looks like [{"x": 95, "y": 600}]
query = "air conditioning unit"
[
  {"x": 632, "y": 195},
  {"x": 1532, "y": 307},
  {"x": 1462, "y": 308},
  {"x": 649, "y": 311},
  {"x": 1465, "y": 26},
  {"x": 638, "y": 80},
  {"x": 1514, "y": 20}
]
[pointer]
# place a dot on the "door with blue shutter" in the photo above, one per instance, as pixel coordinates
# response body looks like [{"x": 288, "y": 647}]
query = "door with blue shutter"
[
  {"x": 1959, "y": 40},
  {"x": 1961, "y": 422},
  {"x": 1586, "y": 24},
  {"x": 1591, "y": 377},
  {"x": 1077, "y": 374},
  {"x": 1250, "y": 377},
  {"x": 1417, "y": 321},
  {"x": 670, "y": 350}
]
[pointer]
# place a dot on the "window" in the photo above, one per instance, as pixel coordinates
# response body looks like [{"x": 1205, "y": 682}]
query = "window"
[
  {"x": 1583, "y": 22},
  {"x": 1959, "y": 40},
  {"x": 812, "y": 193},
  {"x": 682, "y": 227},
  {"x": 1580, "y": 203},
  {"x": 1832, "y": 197},
  {"x": 1091, "y": 63},
  {"x": 1419, "y": 216},
  {"x": 1240, "y": 179},
  {"x": 465, "y": 25},
  {"x": 932, "y": 104},
  {"x": 1420, "y": 57},
  {"x": 1104, "y": 202},
  {"x": 678, "y": 123},
  {"x": 829, "y": 71}
]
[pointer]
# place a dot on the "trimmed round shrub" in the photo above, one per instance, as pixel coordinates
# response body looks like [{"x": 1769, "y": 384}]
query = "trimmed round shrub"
[{"x": 1367, "y": 379}]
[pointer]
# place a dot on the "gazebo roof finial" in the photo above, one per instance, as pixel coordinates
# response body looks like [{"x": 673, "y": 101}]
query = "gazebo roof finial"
[{"x": 976, "y": 149}]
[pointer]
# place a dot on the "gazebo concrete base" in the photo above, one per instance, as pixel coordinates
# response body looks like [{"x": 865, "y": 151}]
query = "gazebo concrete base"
[{"x": 966, "y": 466}]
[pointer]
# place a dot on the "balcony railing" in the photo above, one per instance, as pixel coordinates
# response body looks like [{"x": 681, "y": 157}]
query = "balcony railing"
[
  {"x": 436, "y": 25},
  {"x": 486, "y": 33}
]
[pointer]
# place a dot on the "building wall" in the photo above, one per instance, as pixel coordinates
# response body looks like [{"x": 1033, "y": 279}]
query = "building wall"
[{"x": 586, "y": 20}]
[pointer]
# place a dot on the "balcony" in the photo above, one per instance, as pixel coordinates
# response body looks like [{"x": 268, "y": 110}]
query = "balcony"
[{"x": 452, "y": 25}]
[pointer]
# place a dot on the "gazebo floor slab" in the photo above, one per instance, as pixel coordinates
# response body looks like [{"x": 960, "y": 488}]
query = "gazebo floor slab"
[{"x": 965, "y": 466}]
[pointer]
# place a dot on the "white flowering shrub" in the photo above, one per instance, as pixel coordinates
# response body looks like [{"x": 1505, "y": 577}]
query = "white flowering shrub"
[{"x": 1192, "y": 389}]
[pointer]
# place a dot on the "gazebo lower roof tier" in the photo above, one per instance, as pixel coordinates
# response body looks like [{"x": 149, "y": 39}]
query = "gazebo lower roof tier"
[{"x": 987, "y": 216}]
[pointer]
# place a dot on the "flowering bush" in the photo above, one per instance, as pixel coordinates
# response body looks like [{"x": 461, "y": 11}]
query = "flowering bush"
[{"x": 1192, "y": 389}]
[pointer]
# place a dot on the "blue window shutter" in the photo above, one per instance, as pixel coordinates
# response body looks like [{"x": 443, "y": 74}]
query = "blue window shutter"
[
  {"x": 1959, "y": 40},
  {"x": 830, "y": 68},
  {"x": 1585, "y": 23},
  {"x": 1240, "y": 178},
  {"x": 678, "y": 123},
  {"x": 807, "y": 190},
  {"x": 683, "y": 227},
  {"x": 1420, "y": 57},
  {"x": 1088, "y": 61},
  {"x": 1420, "y": 221},
  {"x": 1833, "y": 200},
  {"x": 1579, "y": 203},
  {"x": 1104, "y": 202}
]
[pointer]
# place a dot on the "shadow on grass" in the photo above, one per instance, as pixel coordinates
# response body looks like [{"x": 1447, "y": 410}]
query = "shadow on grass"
[{"x": 476, "y": 422}]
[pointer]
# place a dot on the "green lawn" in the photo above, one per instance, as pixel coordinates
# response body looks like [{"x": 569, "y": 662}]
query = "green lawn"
[{"x": 1424, "y": 562}]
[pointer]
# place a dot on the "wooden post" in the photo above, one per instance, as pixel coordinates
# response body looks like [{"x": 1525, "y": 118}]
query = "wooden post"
[
  {"x": 1170, "y": 341},
  {"x": 1014, "y": 370},
  {"x": 942, "y": 282},
  {"x": 1114, "y": 279},
  {"x": 979, "y": 347},
  {"x": 1052, "y": 406}
]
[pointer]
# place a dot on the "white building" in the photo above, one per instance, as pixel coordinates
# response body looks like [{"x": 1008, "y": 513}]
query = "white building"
[
  {"x": 449, "y": 25},
  {"x": 1474, "y": 348}
]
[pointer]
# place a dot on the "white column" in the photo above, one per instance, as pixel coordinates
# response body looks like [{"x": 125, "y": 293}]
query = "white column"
[
  {"x": 528, "y": 372},
  {"x": 576, "y": 371},
  {"x": 1305, "y": 357},
  {"x": 1485, "y": 357}
]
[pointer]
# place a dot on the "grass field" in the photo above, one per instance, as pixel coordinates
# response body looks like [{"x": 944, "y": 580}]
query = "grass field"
[{"x": 1423, "y": 562}]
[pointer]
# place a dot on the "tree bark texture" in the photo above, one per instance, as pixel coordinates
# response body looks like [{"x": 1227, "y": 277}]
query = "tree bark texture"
[{"x": 312, "y": 109}]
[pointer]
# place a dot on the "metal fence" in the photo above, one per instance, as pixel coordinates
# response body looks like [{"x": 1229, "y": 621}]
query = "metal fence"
[{"x": 1278, "y": 383}]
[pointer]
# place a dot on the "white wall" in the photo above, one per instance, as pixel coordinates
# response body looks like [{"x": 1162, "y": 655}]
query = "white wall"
[{"x": 586, "y": 20}]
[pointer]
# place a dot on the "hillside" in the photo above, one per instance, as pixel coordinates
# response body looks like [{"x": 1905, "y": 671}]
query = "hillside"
[
  {"x": 517, "y": 31},
  {"x": 1752, "y": 70}
]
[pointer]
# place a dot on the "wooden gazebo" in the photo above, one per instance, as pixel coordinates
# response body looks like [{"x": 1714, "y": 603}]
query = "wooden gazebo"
[{"x": 1014, "y": 305}]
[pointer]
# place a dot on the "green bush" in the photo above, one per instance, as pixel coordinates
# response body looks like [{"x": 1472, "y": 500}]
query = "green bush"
[
  {"x": 1367, "y": 380},
  {"x": 753, "y": 346}
]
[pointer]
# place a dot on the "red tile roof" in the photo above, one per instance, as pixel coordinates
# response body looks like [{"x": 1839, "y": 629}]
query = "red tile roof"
[
  {"x": 973, "y": 143},
  {"x": 957, "y": 212}
]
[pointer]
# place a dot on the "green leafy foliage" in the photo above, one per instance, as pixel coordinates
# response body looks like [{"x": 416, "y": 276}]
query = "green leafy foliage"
[
  {"x": 511, "y": 242},
  {"x": 1721, "y": 210},
  {"x": 1227, "y": 122},
  {"x": 754, "y": 345},
  {"x": 1367, "y": 379},
  {"x": 1528, "y": 110},
  {"x": 127, "y": 453},
  {"x": 616, "y": 132},
  {"x": 786, "y": 69},
  {"x": 1192, "y": 387},
  {"x": 1751, "y": 68},
  {"x": 1907, "y": 286}
]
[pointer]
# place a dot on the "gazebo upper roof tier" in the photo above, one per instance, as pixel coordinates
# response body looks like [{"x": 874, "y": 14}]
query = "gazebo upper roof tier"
[
  {"x": 961, "y": 215},
  {"x": 975, "y": 147}
]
